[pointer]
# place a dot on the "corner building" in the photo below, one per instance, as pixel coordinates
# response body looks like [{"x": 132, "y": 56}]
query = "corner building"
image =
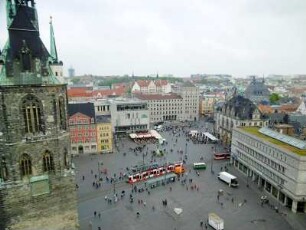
[
  {"x": 35, "y": 165},
  {"x": 274, "y": 161}
]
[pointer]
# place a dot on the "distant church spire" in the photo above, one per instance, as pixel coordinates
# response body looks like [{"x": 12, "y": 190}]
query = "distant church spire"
[{"x": 53, "y": 50}]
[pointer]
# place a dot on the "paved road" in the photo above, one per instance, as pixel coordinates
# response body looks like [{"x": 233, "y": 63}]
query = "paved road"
[{"x": 240, "y": 208}]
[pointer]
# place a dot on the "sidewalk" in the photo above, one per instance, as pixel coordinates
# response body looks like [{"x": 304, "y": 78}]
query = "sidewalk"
[{"x": 296, "y": 220}]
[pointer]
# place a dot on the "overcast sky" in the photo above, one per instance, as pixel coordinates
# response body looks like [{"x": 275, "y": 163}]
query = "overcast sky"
[{"x": 180, "y": 37}]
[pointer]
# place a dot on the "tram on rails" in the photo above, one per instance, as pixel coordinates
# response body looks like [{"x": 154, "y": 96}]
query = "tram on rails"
[{"x": 177, "y": 168}]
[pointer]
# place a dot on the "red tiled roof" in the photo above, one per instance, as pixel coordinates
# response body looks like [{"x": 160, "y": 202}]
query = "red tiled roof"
[
  {"x": 143, "y": 83},
  {"x": 150, "y": 97},
  {"x": 266, "y": 109},
  {"x": 109, "y": 92},
  {"x": 79, "y": 92},
  {"x": 161, "y": 82}
]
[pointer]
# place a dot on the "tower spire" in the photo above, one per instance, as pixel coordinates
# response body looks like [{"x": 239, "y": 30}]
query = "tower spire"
[{"x": 53, "y": 50}]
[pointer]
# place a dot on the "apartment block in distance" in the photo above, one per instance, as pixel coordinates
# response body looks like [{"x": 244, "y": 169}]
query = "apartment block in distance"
[{"x": 163, "y": 107}]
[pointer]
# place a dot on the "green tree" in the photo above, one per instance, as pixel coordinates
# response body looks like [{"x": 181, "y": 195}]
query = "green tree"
[
  {"x": 75, "y": 80},
  {"x": 274, "y": 98}
]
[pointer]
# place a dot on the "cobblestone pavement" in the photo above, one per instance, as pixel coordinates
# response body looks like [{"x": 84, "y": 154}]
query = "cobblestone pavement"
[{"x": 240, "y": 208}]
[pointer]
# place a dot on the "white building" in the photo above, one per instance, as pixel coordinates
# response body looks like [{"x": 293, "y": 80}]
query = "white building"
[
  {"x": 129, "y": 115},
  {"x": 163, "y": 107},
  {"x": 274, "y": 161},
  {"x": 151, "y": 87}
]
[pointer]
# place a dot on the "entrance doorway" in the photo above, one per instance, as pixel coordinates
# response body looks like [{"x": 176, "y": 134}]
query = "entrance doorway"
[{"x": 81, "y": 149}]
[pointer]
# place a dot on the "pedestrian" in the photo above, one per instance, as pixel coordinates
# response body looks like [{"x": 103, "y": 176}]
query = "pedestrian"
[
  {"x": 201, "y": 223},
  {"x": 218, "y": 197},
  {"x": 205, "y": 226},
  {"x": 99, "y": 215},
  {"x": 95, "y": 213},
  {"x": 83, "y": 177}
]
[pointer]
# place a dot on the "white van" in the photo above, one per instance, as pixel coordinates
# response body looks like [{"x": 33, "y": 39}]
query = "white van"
[{"x": 228, "y": 178}]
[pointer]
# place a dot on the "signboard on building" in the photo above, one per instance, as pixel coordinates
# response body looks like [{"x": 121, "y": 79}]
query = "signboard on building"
[{"x": 40, "y": 185}]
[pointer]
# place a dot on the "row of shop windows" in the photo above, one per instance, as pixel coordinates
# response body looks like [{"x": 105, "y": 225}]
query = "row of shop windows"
[
  {"x": 83, "y": 134},
  {"x": 262, "y": 158},
  {"x": 263, "y": 147},
  {"x": 88, "y": 140},
  {"x": 83, "y": 127},
  {"x": 260, "y": 168}
]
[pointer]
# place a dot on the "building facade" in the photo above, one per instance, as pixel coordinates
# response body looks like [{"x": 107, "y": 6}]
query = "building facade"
[
  {"x": 35, "y": 166},
  {"x": 104, "y": 126},
  {"x": 83, "y": 130},
  {"x": 151, "y": 87},
  {"x": 190, "y": 100},
  {"x": 274, "y": 161},
  {"x": 129, "y": 115},
  {"x": 163, "y": 107},
  {"x": 238, "y": 111},
  {"x": 104, "y": 134},
  {"x": 207, "y": 104}
]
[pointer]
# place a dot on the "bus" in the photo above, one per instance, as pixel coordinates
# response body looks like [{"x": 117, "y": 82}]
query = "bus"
[
  {"x": 222, "y": 156},
  {"x": 199, "y": 165}
]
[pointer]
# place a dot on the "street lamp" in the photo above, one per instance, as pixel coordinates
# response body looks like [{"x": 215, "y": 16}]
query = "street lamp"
[
  {"x": 186, "y": 148},
  {"x": 212, "y": 160}
]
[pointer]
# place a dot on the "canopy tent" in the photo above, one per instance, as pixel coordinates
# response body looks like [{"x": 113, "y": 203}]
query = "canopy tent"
[
  {"x": 155, "y": 134},
  {"x": 140, "y": 135},
  {"x": 210, "y": 136}
]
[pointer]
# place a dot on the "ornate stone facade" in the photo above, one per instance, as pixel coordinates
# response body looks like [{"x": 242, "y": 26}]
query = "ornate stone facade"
[{"x": 37, "y": 188}]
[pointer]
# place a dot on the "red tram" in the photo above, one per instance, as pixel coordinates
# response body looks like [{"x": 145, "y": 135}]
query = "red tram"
[{"x": 177, "y": 168}]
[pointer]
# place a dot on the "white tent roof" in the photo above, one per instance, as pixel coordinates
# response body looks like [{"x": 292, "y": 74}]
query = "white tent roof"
[{"x": 210, "y": 136}]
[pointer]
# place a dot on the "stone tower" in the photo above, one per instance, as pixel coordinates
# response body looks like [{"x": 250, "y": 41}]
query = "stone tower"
[{"x": 37, "y": 188}]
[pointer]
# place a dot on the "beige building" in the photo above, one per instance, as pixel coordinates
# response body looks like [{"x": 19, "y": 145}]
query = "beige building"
[
  {"x": 104, "y": 134},
  {"x": 190, "y": 100},
  {"x": 274, "y": 161},
  {"x": 207, "y": 103},
  {"x": 104, "y": 126},
  {"x": 163, "y": 107},
  {"x": 151, "y": 87}
]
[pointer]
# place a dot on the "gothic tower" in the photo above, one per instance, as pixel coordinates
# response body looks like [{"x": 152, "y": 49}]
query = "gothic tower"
[{"x": 36, "y": 180}]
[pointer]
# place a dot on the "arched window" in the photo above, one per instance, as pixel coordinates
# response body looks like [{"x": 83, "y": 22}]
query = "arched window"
[
  {"x": 62, "y": 113},
  {"x": 48, "y": 164},
  {"x": 32, "y": 114},
  {"x": 3, "y": 169},
  {"x": 25, "y": 165}
]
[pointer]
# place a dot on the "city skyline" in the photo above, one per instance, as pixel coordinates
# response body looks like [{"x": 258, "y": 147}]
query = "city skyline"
[{"x": 175, "y": 37}]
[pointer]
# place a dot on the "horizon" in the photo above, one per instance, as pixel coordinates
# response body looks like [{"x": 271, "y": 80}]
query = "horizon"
[{"x": 240, "y": 39}]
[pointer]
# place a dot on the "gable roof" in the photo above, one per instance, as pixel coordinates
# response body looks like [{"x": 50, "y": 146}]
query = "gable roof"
[
  {"x": 243, "y": 107},
  {"x": 84, "y": 108}
]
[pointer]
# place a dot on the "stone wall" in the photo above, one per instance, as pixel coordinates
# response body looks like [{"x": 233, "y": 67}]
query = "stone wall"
[{"x": 56, "y": 210}]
